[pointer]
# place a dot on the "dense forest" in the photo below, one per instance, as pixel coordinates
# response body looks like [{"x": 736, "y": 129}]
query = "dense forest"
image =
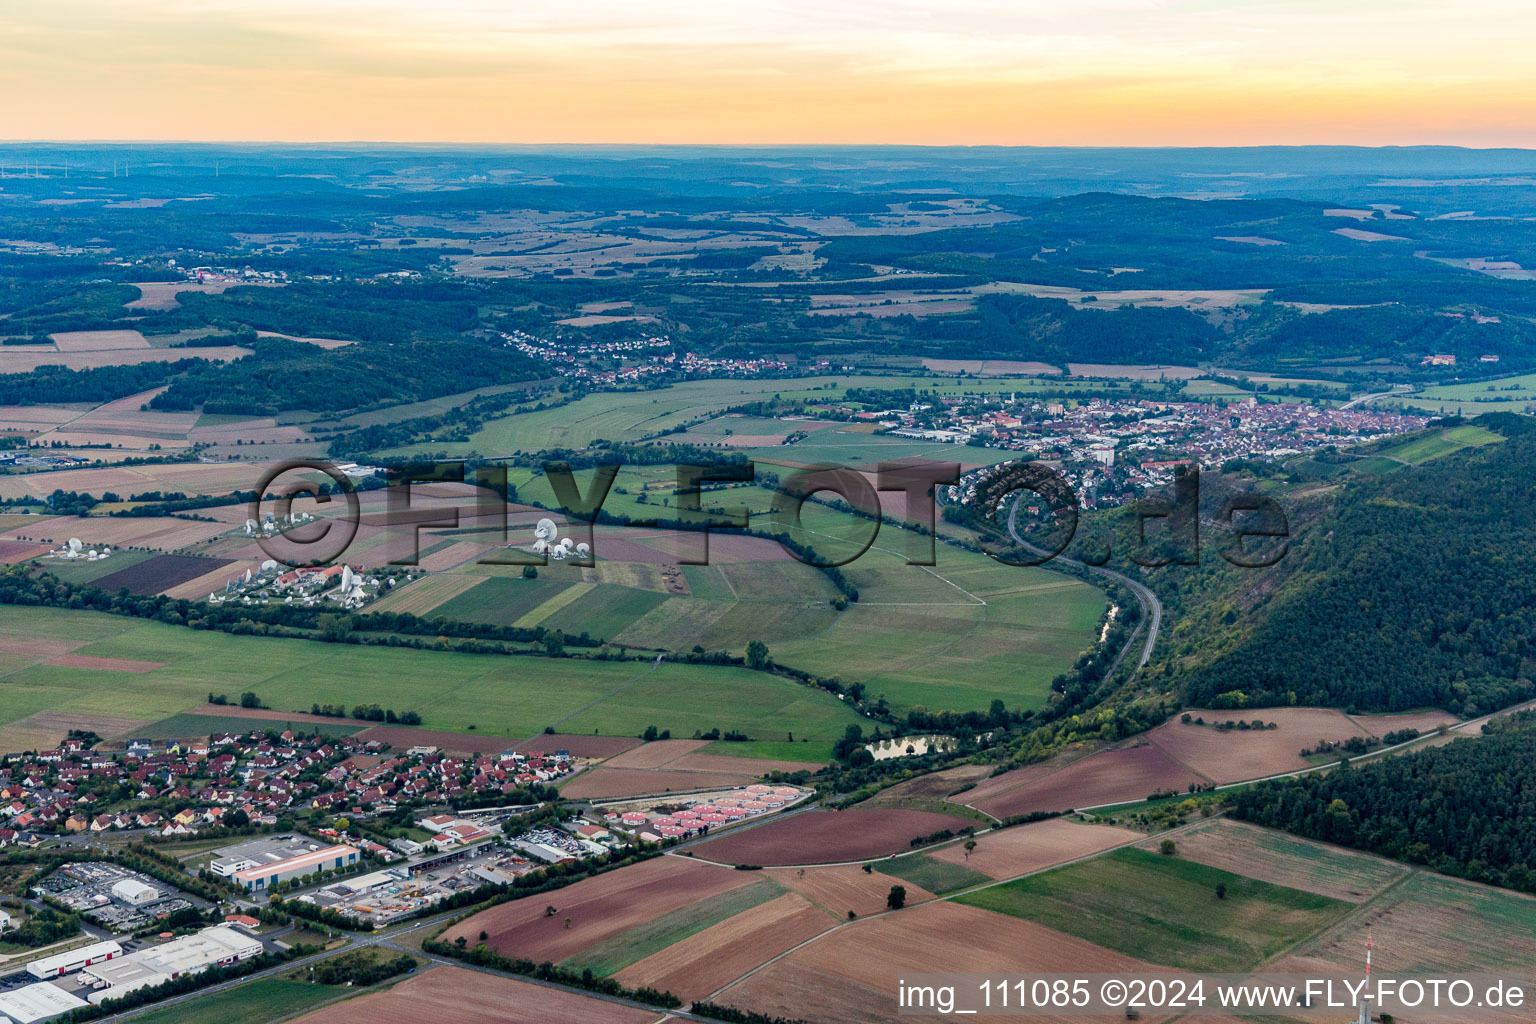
[
  {"x": 282, "y": 375},
  {"x": 1466, "y": 809},
  {"x": 1415, "y": 589}
]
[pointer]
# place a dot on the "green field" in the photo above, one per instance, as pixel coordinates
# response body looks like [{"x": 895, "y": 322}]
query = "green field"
[
  {"x": 956, "y": 635},
  {"x": 1506, "y": 394},
  {"x": 937, "y": 876},
  {"x": 626, "y": 416},
  {"x": 497, "y": 694},
  {"x": 83, "y": 572},
  {"x": 500, "y": 600},
  {"x": 1165, "y": 910},
  {"x": 1422, "y": 449},
  {"x": 618, "y": 952},
  {"x": 256, "y": 1002}
]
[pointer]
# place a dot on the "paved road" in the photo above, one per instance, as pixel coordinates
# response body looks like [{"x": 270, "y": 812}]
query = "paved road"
[
  {"x": 1151, "y": 607},
  {"x": 1400, "y": 389}
]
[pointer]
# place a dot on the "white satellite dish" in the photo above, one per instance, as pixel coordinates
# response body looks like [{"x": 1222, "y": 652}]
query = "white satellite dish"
[
  {"x": 74, "y": 544},
  {"x": 270, "y": 565},
  {"x": 584, "y": 550},
  {"x": 545, "y": 529}
]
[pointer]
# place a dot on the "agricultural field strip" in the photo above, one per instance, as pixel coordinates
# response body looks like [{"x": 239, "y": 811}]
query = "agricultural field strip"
[
  {"x": 624, "y": 685},
  {"x": 1396, "y": 748},
  {"x": 976, "y": 601},
  {"x": 938, "y": 899}
]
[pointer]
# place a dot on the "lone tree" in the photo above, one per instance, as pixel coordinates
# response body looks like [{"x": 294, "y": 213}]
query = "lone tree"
[
  {"x": 897, "y": 897},
  {"x": 970, "y": 844},
  {"x": 1167, "y": 847},
  {"x": 757, "y": 655},
  {"x": 1221, "y": 890}
]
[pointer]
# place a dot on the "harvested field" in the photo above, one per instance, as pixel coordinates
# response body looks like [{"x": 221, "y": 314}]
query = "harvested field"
[
  {"x": 162, "y": 533},
  {"x": 598, "y": 908},
  {"x": 1283, "y": 859},
  {"x": 1134, "y": 372},
  {"x": 579, "y": 746},
  {"x": 403, "y": 736},
  {"x": 604, "y": 783},
  {"x": 427, "y": 593},
  {"x": 326, "y": 343},
  {"x": 212, "y": 581},
  {"x": 1231, "y": 755},
  {"x": 162, "y": 294},
  {"x": 1121, "y": 775},
  {"x": 161, "y": 573},
  {"x": 47, "y": 729},
  {"x": 710, "y": 959},
  {"x": 1429, "y": 925},
  {"x": 991, "y": 367},
  {"x": 823, "y": 836},
  {"x": 97, "y": 341},
  {"x": 13, "y": 551},
  {"x": 1424, "y": 721},
  {"x": 453, "y": 995},
  {"x": 1041, "y": 844},
  {"x": 262, "y": 714},
  {"x": 13, "y": 360},
  {"x": 1361, "y": 235},
  {"x": 655, "y": 754},
  {"x": 613, "y": 954},
  {"x": 847, "y": 975},
  {"x": 843, "y": 887},
  {"x": 86, "y": 661},
  {"x": 1164, "y": 909},
  {"x": 48, "y": 647},
  {"x": 936, "y": 785},
  {"x": 454, "y": 555},
  {"x": 700, "y": 762}
]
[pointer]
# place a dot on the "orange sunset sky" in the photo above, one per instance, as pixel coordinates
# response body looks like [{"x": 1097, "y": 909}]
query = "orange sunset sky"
[{"x": 1009, "y": 72}]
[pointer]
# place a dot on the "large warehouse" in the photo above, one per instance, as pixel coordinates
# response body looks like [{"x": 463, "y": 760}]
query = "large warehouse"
[
  {"x": 264, "y": 876},
  {"x": 135, "y": 893},
  {"x": 37, "y": 1001},
  {"x": 156, "y": 965},
  {"x": 263, "y": 863},
  {"x": 73, "y": 960}
]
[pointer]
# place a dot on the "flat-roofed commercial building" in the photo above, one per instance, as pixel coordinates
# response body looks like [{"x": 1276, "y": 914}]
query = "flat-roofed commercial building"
[
  {"x": 221, "y": 945},
  {"x": 265, "y": 876},
  {"x": 73, "y": 960},
  {"x": 38, "y": 1001}
]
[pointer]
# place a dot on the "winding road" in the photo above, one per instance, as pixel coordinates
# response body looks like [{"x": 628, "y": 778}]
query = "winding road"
[{"x": 1151, "y": 607}]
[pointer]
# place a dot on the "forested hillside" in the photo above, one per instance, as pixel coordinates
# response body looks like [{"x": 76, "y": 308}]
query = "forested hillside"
[
  {"x": 1417, "y": 588},
  {"x": 1466, "y": 809}
]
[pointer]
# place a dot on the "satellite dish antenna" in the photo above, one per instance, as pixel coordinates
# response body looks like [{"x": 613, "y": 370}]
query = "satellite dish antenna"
[
  {"x": 545, "y": 530},
  {"x": 74, "y": 544},
  {"x": 584, "y": 550}
]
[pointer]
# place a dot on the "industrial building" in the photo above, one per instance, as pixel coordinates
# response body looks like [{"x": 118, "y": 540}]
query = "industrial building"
[
  {"x": 74, "y": 959},
  {"x": 135, "y": 893},
  {"x": 263, "y": 863},
  {"x": 38, "y": 1001},
  {"x": 220, "y": 945}
]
